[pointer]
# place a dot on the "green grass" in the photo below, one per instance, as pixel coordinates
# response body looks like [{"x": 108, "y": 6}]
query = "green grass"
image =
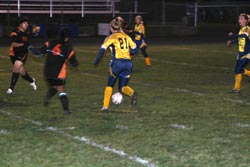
[{"x": 186, "y": 115}]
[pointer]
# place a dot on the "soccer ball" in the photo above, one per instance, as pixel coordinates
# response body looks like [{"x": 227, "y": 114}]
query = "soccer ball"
[{"x": 117, "y": 98}]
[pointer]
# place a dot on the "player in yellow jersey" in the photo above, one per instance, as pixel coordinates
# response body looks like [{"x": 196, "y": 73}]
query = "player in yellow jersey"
[
  {"x": 139, "y": 38},
  {"x": 243, "y": 57},
  {"x": 122, "y": 47}
]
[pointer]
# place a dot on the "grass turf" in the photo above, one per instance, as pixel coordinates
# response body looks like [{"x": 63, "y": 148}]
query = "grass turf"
[{"x": 186, "y": 115}]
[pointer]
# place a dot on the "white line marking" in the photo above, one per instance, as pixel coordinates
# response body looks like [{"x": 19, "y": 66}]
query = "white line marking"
[
  {"x": 60, "y": 129},
  {"x": 4, "y": 57},
  {"x": 203, "y": 50},
  {"x": 182, "y": 63},
  {"x": 40, "y": 64},
  {"x": 243, "y": 125},
  {"x": 174, "y": 48},
  {"x": 237, "y": 101},
  {"x": 4, "y": 132},
  {"x": 121, "y": 127},
  {"x": 88, "y": 51},
  {"x": 181, "y": 127},
  {"x": 189, "y": 64},
  {"x": 174, "y": 89},
  {"x": 85, "y": 140}
]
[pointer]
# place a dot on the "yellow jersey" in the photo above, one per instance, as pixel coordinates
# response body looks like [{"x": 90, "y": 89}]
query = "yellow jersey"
[
  {"x": 243, "y": 40},
  {"x": 120, "y": 45},
  {"x": 139, "y": 31}
]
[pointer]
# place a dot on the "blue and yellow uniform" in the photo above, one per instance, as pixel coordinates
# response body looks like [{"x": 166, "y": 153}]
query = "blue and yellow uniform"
[
  {"x": 122, "y": 47},
  {"x": 243, "y": 57},
  {"x": 139, "y": 39}
]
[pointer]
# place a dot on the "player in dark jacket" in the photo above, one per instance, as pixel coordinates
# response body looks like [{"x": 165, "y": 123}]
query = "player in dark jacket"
[
  {"x": 18, "y": 54},
  {"x": 59, "y": 53}
]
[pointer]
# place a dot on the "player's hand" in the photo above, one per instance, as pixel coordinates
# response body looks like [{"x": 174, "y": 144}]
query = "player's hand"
[
  {"x": 230, "y": 34},
  {"x": 229, "y": 43}
]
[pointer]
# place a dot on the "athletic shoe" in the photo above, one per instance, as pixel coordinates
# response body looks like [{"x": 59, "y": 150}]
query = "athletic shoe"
[
  {"x": 104, "y": 109},
  {"x": 134, "y": 99},
  {"x": 67, "y": 112},
  {"x": 9, "y": 91},
  {"x": 33, "y": 84},
  {"x": 235, "y": 91}
]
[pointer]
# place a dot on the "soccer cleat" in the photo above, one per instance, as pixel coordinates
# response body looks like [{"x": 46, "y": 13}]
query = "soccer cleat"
[
  {"x": 67, "y": 112},
  {"x": 9, "y": 91},
  {"x": 104, "y": 109},
  {"x": 134, "y": 99},
  {"x": 33, "y": 84},
  {"x": 235, "y": 91}
]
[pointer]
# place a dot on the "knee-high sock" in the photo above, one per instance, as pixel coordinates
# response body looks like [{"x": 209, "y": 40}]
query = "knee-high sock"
[
  {"x": 51, "y": 92},
  {"x": 147, "y": 61},
  {"x": 64, "y": 101},
  {"x": 127, "y": 90},
  {"x": 14, "y": 79},
  {"x": 237, "y": 84},
  {"x": 27, "y": 77},
  {"x": 107, "y": 95},
  {"x": 246, "y": 72}
]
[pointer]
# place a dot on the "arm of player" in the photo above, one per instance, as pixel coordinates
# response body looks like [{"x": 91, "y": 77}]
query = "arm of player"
[
  {"x": 39, "y": 52},
  {"x": 73, "y": 61},
  {"x": 100, "y": 55},
  {"x": 133, "y": 48},
  {"x": 18, "y": 46}
]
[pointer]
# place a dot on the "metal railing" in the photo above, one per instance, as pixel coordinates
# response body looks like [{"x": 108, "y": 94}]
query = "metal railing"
[{"x": 58, "y": 7}]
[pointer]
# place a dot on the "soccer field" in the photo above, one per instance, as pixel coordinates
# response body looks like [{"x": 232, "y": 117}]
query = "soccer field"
[{"x": 185, "y": 116}]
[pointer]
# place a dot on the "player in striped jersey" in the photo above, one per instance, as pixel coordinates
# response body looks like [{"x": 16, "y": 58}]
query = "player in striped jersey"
[
  {"x": 18, "y": 53},
  {"x": 59, "y": 53}
]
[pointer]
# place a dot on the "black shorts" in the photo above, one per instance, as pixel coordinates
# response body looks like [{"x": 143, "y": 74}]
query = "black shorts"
[
  {"x": 19, "y": 58},
  {"x": 55, "y": 81}
]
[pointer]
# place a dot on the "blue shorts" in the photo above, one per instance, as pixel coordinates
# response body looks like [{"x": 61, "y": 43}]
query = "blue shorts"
[
  {"x": 120, "y": 69},
  {"x": 240, "y": 65}
]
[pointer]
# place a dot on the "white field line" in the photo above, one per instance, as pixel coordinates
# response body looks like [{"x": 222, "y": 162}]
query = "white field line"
[
  {"x": 243, "y": 125},
  {"x": 177, "y": 126},
  {"x": 181, "y": 63},
  {"x": 121, "y": 127},
  {"x": 174, "y": 89},
  {"x": 59, "y": 129},
  {"x": 4, "y": 132},
  {"x": 4, "y": 57},
  {"x": 85, "y": 140},
  {"x": 203, "y": 50},
  {"x": 236, "y": 101},
  {"x": 189, "y": 64}
]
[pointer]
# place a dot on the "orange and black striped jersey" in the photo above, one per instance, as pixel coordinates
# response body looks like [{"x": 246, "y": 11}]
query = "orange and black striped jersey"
[
  {"x": 19, "y": 37},
  {"x": 58, "y": 55}
]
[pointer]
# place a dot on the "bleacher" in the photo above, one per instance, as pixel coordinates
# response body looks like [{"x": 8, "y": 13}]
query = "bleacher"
[{"x": 58, "y": 7}]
